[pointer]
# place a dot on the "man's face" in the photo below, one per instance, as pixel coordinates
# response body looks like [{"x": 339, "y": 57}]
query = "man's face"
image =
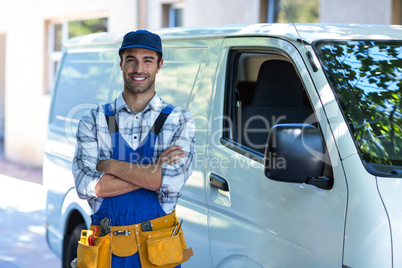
[{"x": 139, "y": 67}]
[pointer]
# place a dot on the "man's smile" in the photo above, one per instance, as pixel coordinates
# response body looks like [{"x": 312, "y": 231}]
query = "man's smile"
[{"x": 139, "y": 79}]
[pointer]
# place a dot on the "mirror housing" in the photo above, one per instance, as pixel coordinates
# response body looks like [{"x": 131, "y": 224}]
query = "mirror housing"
[{"x": 296, "y": 153}]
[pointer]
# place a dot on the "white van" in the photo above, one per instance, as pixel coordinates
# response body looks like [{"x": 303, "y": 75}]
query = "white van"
[{"x": 299, "y": 141}]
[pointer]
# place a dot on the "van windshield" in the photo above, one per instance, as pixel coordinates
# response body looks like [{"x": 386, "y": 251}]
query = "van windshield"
[{"x": 366, "y": 77}]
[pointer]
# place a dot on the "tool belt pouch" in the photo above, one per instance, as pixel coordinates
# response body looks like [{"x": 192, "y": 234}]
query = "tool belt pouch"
[
  {"x": 124, "y": 242},
  {"x": 87, "y": 256},
  {"x": 159, "y": 248},
  {"x": 164, "y": 249},
  {"x": 97, "y": 256}
]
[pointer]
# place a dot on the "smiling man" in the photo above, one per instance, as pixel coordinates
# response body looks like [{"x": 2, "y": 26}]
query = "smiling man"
[{"x": 134, "y": 155}]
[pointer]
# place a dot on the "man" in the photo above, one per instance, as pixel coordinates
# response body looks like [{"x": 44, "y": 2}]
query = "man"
[{"x": 128, "y": 172}]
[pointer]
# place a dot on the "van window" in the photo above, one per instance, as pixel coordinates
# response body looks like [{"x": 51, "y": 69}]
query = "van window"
[
  {"x": 174, "y": 88},
  {"x": 366, "y": 77},
  {"x": 84, "y": 82},
  {"x": 263, "y": 90}
]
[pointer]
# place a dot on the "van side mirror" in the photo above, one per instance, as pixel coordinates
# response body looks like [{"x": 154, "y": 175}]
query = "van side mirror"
[{"x": 295, "y": 153}]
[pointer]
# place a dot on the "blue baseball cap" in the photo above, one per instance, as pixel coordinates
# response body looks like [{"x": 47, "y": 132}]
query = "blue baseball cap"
[{"x": 141, "y": 39}]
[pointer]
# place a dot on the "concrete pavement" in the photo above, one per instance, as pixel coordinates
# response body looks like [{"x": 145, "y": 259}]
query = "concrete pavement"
[{"x": 22, "y": 218}]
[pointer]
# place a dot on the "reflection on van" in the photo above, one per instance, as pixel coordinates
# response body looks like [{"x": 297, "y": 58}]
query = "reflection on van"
[{"x": 298, "y": 159}]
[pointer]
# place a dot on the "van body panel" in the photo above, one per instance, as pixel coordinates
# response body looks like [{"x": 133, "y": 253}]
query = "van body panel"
[
  {"x": 195, "y": 226},
  {"x": 55, "y": 218},
  {"x": 62, "y": 197},
  {"x": 390, "y": 190},
  {"x": 55, "y": 165},
  {"x": 367, "y": 232}
]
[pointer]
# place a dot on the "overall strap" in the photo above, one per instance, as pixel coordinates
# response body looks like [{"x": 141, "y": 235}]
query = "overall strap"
[
  {"x": 110, "y": 118},
  {"x": 156, "y": 128}
]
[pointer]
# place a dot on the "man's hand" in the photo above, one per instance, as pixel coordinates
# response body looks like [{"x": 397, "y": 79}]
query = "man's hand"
[{"x": 171, "y": 155}]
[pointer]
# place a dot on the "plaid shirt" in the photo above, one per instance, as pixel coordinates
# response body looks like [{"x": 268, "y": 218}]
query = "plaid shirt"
[{"x": 94, "y": 144}]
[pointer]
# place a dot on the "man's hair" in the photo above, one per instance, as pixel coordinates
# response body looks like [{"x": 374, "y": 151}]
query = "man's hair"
[{"x": 121, "y": 52}]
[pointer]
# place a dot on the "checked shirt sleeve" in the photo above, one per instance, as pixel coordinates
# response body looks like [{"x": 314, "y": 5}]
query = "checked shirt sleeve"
[
  {"x": 174, "y": 177},
  {"x": 86, "y": 157}
]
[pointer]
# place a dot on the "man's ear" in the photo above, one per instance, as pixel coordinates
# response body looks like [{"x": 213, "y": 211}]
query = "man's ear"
[
  {"x": 121, "y": 63},
  {"x": 160, "y": 66}
]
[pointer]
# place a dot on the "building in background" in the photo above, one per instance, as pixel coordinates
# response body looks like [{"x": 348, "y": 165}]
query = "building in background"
[
  {"x": 361, "y": 11},
  {"x": 32, "y": 34}
]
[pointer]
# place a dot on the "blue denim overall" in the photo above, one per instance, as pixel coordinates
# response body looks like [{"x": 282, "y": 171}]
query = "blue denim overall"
[{"x": 137, "y": 206}]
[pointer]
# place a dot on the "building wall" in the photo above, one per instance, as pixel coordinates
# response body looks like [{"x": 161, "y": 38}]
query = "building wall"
[
  {"x": 229, "y": 12},
  {"x": 23, "y": 82},
  {"x": 357, "y": 11},
  {"x": 206, "y": 12}
]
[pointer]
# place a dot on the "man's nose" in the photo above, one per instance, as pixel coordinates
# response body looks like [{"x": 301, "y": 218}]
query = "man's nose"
[{"x": 139, "y": 67}]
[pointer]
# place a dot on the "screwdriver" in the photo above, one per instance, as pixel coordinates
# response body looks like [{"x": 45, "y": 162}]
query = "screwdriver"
[
  {"x": 91, "y": 238},
  {"x": 175, "y": 228}
]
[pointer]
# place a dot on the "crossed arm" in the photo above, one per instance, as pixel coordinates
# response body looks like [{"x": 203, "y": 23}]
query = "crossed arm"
[
  {"x": 122, "y": 177},
  {"x": 97, "y": 179}
]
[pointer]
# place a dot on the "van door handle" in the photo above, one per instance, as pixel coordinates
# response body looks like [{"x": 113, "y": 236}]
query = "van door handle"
[{"x": 218, "y": 182}]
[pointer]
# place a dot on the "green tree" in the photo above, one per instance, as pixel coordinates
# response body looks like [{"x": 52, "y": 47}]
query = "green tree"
[
  {"x": 301, "y": 11},
  {"x": 83, "y": 27}
]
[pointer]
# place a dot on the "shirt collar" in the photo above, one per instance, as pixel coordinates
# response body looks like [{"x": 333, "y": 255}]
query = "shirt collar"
[{"x": 156, "y": 104}]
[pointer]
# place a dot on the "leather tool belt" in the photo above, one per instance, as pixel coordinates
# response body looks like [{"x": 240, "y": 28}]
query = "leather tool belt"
[{"x": 161, "y": 247}]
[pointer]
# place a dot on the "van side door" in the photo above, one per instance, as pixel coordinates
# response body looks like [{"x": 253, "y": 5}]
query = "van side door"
[{"x": 255, "y": 221}]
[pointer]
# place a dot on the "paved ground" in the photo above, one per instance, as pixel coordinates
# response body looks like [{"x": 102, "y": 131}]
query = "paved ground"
[{"x": 22, "y": 218}]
